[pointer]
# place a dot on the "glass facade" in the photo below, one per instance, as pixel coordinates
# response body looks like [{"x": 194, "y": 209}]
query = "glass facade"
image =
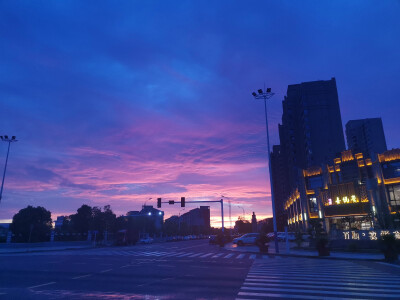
[
  {"x": 391, "y": 169},
  {"x": 312, "y": 201},
  {"x": 394, "y": 196},
  {"x": 314, "y": 182}
]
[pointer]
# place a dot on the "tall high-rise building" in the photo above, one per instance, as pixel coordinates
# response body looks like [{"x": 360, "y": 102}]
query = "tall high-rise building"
[
  {"x": 311, "y": 133},
  {"x": 366, "y": 136}
]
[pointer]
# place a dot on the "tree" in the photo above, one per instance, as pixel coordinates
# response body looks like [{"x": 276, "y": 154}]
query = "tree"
[
  {"x": 32, "y": 224},
  {"x": 243, "y": 226},
  {"x": 82, "y": 220},
  {"x": 103, "y": 220}
]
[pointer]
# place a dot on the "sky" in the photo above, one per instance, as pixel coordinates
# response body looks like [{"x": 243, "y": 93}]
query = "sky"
[{"x": 117, "y": 102}]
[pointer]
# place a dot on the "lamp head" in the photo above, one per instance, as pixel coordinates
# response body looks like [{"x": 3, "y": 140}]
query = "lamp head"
[
  {"x": 254, "y": 94},
  {"x": 268, "y": 90},
  {"x": 260, "y": 91}
]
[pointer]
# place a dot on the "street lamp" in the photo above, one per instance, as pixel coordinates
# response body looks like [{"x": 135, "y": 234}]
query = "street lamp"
[
  {"x": 9, "y": 141},
  {"x": 244, "y": 213},
  {"x": 265, "y": 95}
]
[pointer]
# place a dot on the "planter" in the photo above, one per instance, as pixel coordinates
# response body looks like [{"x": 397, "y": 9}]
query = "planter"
[
  {"x": 391, "y": 255},
  {"x": 263, "y": 249},
  {"x": 322, "y": 248},
  {"x": 323, "y": 251}
]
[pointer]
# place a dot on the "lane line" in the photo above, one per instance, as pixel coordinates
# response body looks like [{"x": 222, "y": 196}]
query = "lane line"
[
  {"x": 32, "y": 287},
  {"x": 83, "y": 276},
  {"x": 104, "y": 271},
  {"x": 125, "y": 266}
]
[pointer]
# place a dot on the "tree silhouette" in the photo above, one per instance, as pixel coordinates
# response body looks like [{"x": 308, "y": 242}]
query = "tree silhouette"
[{"x": 32, "y": 224}]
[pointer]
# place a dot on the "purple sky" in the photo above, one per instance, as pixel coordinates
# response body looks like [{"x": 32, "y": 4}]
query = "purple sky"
[{"x": 116, "y": 102}]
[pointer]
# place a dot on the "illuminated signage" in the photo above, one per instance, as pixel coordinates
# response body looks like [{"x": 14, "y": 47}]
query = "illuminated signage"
[
  {"x": 371, "y": 235},
  {"x": 344, "y": 200}
]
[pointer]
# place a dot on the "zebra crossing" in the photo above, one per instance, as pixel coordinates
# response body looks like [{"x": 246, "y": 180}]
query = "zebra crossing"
[
  {"x": 317, "y": 279},
  {"x": 161, "y": 254}
]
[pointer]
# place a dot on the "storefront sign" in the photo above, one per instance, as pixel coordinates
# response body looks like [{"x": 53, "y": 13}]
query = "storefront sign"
[{"x": 371, "y": 235}]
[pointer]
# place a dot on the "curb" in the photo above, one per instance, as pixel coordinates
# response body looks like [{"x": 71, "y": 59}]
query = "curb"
[
  {"x": 309, "y": 256},
  {"x": 48, "y": 250}
]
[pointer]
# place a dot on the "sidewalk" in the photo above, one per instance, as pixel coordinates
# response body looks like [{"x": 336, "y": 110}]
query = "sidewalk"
[
  {"x": 307, "y": 253},
  {"x": 42, "y": 247}
]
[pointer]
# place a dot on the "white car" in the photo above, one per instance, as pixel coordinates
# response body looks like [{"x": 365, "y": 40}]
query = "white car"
[
  {"x": 146, "y": 240},
  {"x": 248, "y": 238}
]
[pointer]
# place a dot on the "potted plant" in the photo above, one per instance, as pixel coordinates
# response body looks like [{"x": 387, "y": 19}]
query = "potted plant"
[
  {"x": 299, "y": 238},
  {"x": 322, "y": 246},
  {"x": 262, "y": 243},
  {"x": 389, "y": 247}
]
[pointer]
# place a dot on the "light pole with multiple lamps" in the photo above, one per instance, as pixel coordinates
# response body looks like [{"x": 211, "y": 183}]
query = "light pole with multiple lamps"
[
  {"x": 265, "y": 95},
  {"x": 9, "y": 141}
]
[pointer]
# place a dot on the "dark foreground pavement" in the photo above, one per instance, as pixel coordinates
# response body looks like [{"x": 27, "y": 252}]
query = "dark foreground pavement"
[
  {"x": 185, "y": 270},
  {"x": 189, "y": 270}
]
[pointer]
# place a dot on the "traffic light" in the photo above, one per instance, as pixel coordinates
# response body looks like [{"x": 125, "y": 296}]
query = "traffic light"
[
  {"x": 158, "y": 202},
  {"x": 182, "y": 201}
]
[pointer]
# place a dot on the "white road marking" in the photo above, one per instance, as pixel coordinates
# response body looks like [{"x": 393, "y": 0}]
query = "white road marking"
[
  {"x": 241, "y": 256},
  {"x": 218, "y": 255},
  {"x": 388, "y": 264},
  {"x": 304, "y": 289},
  {"x": 253, "y": 256},
  {"x": 287, "y": 296},
  {"x": 186, "y": 254},
  {"x": 197, "y": 254},
  {"x": 32, "y": 287},
  {"x": 125, "y": 266},
  {"x": 83, "y": 276},
  {"x": 104, "y": 271},
  {"x": 205, "y": 255},
  {"x": 229, "y": 255}
]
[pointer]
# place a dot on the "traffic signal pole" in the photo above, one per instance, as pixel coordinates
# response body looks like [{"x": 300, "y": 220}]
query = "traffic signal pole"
[{"x": 184, "y": 202}]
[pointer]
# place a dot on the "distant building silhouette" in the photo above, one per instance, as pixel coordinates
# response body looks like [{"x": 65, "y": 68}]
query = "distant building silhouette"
[
  {"x": 254, "y": 223},
  {"x": 311, "y": 134},
  {"x": 366, "y": 136},
  {"x": 197, "y": 220},
  {"x": 59, "y": 222},
  {"x": 151, "y": 213}
]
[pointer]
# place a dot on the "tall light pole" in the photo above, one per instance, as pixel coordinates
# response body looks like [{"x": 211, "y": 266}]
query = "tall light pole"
[
  {"x": 9, "y": 141},
  {"x": 244, "y": 213},
  {"x": 265, "y": 95}
]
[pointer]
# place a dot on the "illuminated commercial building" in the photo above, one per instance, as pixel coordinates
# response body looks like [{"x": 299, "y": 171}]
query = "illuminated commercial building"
[
  {"x": 366, "y": 136},
  {"x": 311, "y": 134},
  {"x": 350, "y": 193}
]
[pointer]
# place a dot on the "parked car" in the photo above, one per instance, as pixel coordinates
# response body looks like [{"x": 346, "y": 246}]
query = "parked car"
[
  {"x": 212, "y": 240},
  {"x": 148, "y": 240},
  {"x": 282, "y": 236},
  {"x": 247, "y": 239}
]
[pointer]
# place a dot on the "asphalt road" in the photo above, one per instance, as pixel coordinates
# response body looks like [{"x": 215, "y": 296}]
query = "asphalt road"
[
  {"x": 189, "y": 270},
  {"x": 180, "y": 270}
]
